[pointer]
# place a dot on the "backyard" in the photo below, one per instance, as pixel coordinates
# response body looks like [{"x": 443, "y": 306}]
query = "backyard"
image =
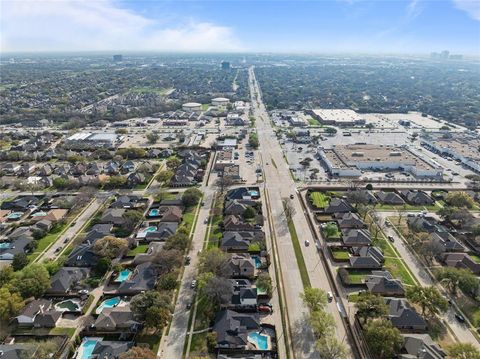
[{"x": 319, "y": 199}]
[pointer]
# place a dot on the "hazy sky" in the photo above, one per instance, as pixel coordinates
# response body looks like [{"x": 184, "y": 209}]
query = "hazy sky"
[{"x": 388, "y": 26}]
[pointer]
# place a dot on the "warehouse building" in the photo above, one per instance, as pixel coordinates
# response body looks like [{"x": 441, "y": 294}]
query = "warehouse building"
[{"x": 337, "y": 117}]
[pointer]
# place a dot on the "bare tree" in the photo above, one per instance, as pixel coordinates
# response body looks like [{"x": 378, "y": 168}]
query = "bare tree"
[{"x": 288, "y": 208}]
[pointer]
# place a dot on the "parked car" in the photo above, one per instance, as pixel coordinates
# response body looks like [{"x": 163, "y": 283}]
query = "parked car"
[
  {"x": 391, "y": 239},
  {"x": 194, "y": 284},
  {"x": 264, "y": 309},
  {"x": 189, "y": 305},
  {"x": 187, "y": 260},
  {"x": 460, "y": 317},
  {"x": 291, "y": 196},
  {"x": 307, "y": 243}
]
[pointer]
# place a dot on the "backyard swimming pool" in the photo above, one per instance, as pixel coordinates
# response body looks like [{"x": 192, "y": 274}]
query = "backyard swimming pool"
[
  {"x": 153, "y": 212},
  {"x": 253, "y": 193},
  {"x": 86, "y": 348},
  {"x": 143, "y": 232},
  {"x": 123, "y": 276},
  {"x": 69, "y": 305},
  {"x": 39, "y": 214},
  {"x": 15, "y": 215},
  {"x": 259, "y": 340},
  {"x": 258, "y": 261},
  {"x": 108, "y": 303},
  {"x": 4, "y": 245}
]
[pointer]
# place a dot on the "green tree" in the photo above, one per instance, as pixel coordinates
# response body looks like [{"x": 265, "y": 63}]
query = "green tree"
[
  {"x": 370, "y": 306},
  {"x": 178, "y": 241},
  {"x": 32, "y": 281},
  {"x": 330, "y": 130},
  {"x": 428, "y": 298},
  {"x": 213, "y": 260},
  {"x": 265, "y": 282},
  {"x": 168, "y": 281},
  {"x": 102, "y": 266},
  {"x": 164, "y": 176},
  {"x": 152, "y": 137},
  {"x": 157, "y": 317},
  {"x": 191, "y": 197},
  {"x": 459, "y": 199},
  {"x": 110, "y": 247},
  {"x": 383, "y": 339},
  {"x": 331, "y": 348},
  {"x": 60, "y": 183},
  {"x": 173, "y": 163},
  {"x": 20, "y": 260},
  {"x": 6, "y": 275},
  {"x": 322, "y": 323},
  {"x": 151, "y": 299},
  {"x": 314, "y": 298},
  {"x": 10, "y": 304},
  {"x": 249, "y": 213},
  {"x": 463, "y": 351},
  {"x": 211, "y": 341},
  {"x": 253, "y": 140},
  {"x": 454, "y": 278}
]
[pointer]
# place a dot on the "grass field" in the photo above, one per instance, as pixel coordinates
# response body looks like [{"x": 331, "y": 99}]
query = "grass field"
[
  {"x": 408, "y": 207},
  {"x": 340, "y": 254},
  {"x": 298, "y": 254},
  {"x": 357, "y": 276},
  {"x": 319, "y": 199},
  {"x": 313, "y": 122},
  {"x": 46, "y": 241},
  {"x": 142, "y": 248}
]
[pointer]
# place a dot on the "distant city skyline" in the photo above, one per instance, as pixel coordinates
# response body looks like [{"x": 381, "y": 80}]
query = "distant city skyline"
[{"x": 342, "y": 26}]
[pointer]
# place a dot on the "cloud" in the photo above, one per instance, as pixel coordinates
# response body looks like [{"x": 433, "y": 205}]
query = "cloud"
[
  {"x": 471, "y": 7},
  {"x": 71, "y": 25},
  {"x": 414, "y": 9}
]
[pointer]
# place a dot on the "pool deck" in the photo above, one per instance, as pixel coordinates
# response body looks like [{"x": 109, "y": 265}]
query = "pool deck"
[{"x": 79, "y": 354}]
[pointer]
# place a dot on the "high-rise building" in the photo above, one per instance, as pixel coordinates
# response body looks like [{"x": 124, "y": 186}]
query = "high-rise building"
[{"x": 117, "y": 58}]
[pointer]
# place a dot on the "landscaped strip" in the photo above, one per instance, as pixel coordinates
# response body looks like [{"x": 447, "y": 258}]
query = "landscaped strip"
[{"x": 298, "y": 254}]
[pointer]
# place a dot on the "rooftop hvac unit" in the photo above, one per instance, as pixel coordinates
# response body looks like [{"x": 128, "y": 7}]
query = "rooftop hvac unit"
[
  {"x": 396, "y": 153},
  {"x": 357, "y": 154}
]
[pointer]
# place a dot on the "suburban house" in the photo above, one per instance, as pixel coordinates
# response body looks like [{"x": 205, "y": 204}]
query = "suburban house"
[
  {"x": 39, "y": 313},
  {"x": 67, "y": 279},
  {"x": 237, "y": 207},
  {"x": 247, "y": 193},
  {"x": 447, "y": 242},
  {"x": 129, "y": 202},
  {"x": 143, "y": 278},
  {"x": 356, "y": 237},
  {"x": 416, "y": 197},
  {"x": 420, "y": 346},
  {"x": 98, "y": 231},
  {"x": 391, "y": 198},
  {"x": 349, "y": 220},
  {"x": 163, "y": 231},
  {"x": 367, "y": 258},
  {"x": 422, "y": 224},
  {"x": 236, "y": 223},
  {"x": 106, "y": 349},
  {"x": 113, "y": 216},
  {"x": 338, "y": 205},
  {"x": 461, "y": 261},
  {"x": 82, "y": 256},
  {"x": 232, "y": 328},
  {"x": 239, "y": 266},
  {"x": 244, "y": 296},
  {"x": 403, "y": 316},
  {"x": 383, "y": 283},
  {"x": 116, "y": 319}
]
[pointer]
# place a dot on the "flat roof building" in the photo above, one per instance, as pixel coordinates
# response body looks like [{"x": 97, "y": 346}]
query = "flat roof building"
[
  {"x": 337, "y": 117},
  {"x": 192, "y": 106},
  {"x": 350, "y": 160}
]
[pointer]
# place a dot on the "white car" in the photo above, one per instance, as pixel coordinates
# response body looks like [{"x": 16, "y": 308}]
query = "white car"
[{"x": 329, "y": 296}]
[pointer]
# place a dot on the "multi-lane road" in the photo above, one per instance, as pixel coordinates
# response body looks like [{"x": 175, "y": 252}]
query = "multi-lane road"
[{"x": 279, "y": 186}]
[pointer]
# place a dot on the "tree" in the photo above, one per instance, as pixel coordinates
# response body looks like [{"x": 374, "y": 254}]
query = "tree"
[
  {"x": 178, "y": 241},
  {"x": 264, "y": 282},
  {"x": 249, "y": 213},
  {"x": 463, "y": 351},
  {"x": 10, "y": 304},
  {"x": 173, "y": 163},
  {"x": 322, "y": 323},
  {"x": 110, "y": 247},
  {"x": 370, "y": 306},
  {"x": 314, "y": 298},
  {"x": 6, "y": 275},
  {"x": 20, "y": 260},
  {"x": 164, "y": 176},
  {"x": 383, "y": 339},
  {"x": 330, "y": 348},
  {"x": 168, "y": 281},
  {"x": 223, "y": 183},
  {"x": 428, "y": 298},
  {"x": 32, "y": 281},
  {"x": 151, "y": 299},
  {"x": 102, "y": 266},
  {"x": 152, "y": 137},
  {"x": 459, "y": 199},
  {"x": 330, "y": 229},
  {"x": 211, "y": 341},
  {"x": 330, "y": 130},
  {"x": 213, "y": 260},
  {"x": 116, "y": 182},
  {"x": 168, "y": 259},
  {"x": 132, "y": 217},
  {"x": 454, "y": 278},
  {"x": 157, "y": 317},
  {"x": 288, "y": 208},
  {"x": 191, "y": 197},
  {"x": 137, "y": 353},
  {"x": 253, "y": 140},
  {"x": 218, "y": 290}
]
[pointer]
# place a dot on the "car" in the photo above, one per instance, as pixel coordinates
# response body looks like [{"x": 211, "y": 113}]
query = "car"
[
  {"x": 391, "y": 239},
  {"x": 318, "y": 245},
  {"x": 73, "y": 223},
  {"x": 307, "y": 243},
  {"x": 188, "y": 259},
  {"x": 193, "y": 285},
  {"x": 66, "y": 240},
  {"x": 83, "y": 291},
  {"x": 205, "y": 221},
  {"x": 455, "y": 173},
  {"x": 329, "y": 296},
  {"x": 460, "y": 317},
  {"x": 203, "y": 203},
  {"x": 264, "y": 309},
  {"x": 291, "y": 196},
  {"x": 189, "y": 305},
  {"x": 58, "y": 249}
]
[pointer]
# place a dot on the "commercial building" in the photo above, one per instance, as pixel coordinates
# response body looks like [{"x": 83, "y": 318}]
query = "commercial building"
[
  {"x": 337, "y": 117},
  {"x": 464, "y": 148},
  {"x": 86, "y": 140},
  {"x": 351, "y": 160},
  {"x": 220, "y": 101}
]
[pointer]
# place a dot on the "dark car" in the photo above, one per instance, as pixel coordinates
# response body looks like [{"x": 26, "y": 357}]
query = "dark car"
[
  {"x": 291, "y": 196},
  {"x": 189, "y": 305},
  {"x": 391, "y": 239},
  {"x": 187, "y": 260},
  {"x": 460, "y": 317}
]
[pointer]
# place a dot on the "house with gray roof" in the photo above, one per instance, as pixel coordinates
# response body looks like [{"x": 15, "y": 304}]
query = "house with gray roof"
[
  {"x": 417, "y": 197},
  {"x": 403, "y": 316},
  {"x": 390, "y": 198},
  {"x": 420, "y": 346},
  {"x": 106, "y": 349},
  {"x": 82, "y": 256},
  {"x": 349, "y": 220},
  {"x": 113, "y": 216},
  {"x": 447, "y": 242},
  {"x": 143, "y": 278},
  {"x": 461, "y": 261},
  {"x": 356, "y": 237},
  {"x": 232, "y": 328},
  {"x": 67, "y": 279},
  {"x": 116, "y": 319},
  {"x": 240, "y": 266},
  {"x": 338, "y": 205},
  {"x": 39, "y": 313},
  {"x": 382, "y": 283}
]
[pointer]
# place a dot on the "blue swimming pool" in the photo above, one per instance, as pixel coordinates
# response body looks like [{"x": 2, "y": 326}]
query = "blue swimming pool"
[
  {"x": 4, "y": 245},
  {"x": 153, "y": 212},
  {"x": 260, "y": 341},
  {"x": 123, "y": 275},
  {"x": 253, "y": 193},
  {"x": 15, "y": 215},
  {"x": 108, "y": 303},
  {"x": 86, "y": 348},
  {"x": 39, "y": 214},
  {"x": 258, "y": 261}
]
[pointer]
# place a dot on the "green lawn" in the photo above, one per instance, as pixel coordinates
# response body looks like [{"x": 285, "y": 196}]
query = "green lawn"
[
  {"x": 475, "y": 257},
  {"x": 205, "y": 106},
  {"x": 319, "y": 199},
  {"x": 62, "y": 331},
  {"x": 142, "y": 248},
  {"x": 188, "y": 218},
  {"x": 46, "y": 241},
  {"x": 398, "y": 270},
  {"x": 313, "y": 122},
  {"x": 298, "y": 254},
  {"x": 199, "y": 343},
  {"x": 357, "y": 276},
  {"x": 408, "y": 207},
  {"x": 340, "y": 254}
]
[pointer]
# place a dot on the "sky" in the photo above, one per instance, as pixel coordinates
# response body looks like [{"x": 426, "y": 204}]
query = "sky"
[{"x": 321, "y": 26}]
